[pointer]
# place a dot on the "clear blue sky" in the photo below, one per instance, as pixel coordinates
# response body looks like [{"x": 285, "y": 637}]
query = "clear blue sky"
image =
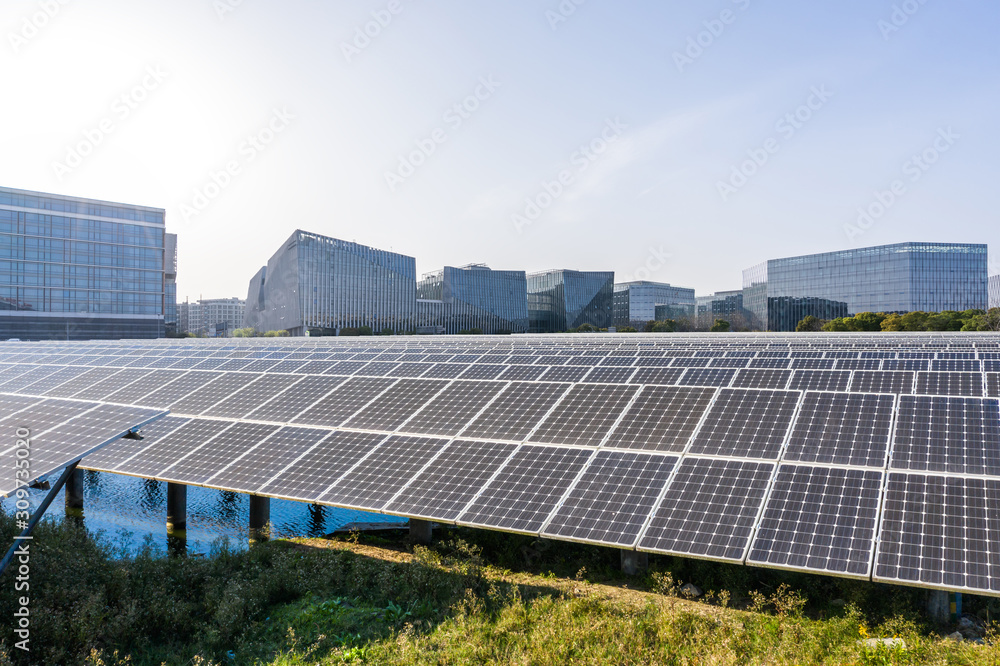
[{"x": 169, "y": 93}]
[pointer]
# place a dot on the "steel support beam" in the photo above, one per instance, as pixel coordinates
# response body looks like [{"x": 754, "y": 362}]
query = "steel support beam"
[{"x": 25, "y": 536}]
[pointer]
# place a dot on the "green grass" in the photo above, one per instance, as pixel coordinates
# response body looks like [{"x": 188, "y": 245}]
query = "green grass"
[{"x": 473, "y": 598}]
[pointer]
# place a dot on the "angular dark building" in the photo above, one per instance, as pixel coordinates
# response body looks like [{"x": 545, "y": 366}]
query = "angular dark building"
[
  {"x": 899, "y": 278},
  {"x": 82, "y": 269},
  {"x": 561, "y": 300},
  {"x": 321, "y": 285},
  {"x": 474, "y": 297}
]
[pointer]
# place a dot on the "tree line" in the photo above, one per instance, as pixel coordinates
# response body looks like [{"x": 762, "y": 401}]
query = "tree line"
[{"x": 947, "y": 320}]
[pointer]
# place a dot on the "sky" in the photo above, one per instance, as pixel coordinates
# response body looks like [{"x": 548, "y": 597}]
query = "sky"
[{"x": 679, "y": 142}]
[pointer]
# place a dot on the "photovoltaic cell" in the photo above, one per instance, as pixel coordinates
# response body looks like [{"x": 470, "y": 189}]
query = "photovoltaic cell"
[
  {"x": 133, "y": 393},
  {"x": 565, "y": 373},
  {"x": 993, "y": 385},
  {"x": 60, "y": 376},
  {"x": 515, "y": 412},
  {"x": 201, "y": 399},
  {"x": 905, "y": 364},
  {"x": 820, "y": 380},
  {"x": 382, "y": 474},
  {"x": 241, "y": 403},
  {"x": 708, "y": 377},
  {"x": 709, "y": 509},
  {"x": 936, "y": 531},
  {"x": 522, "y": 373},
  {"x": 204, "y": 462},
  {"x": 453, "y": 408},
  {"x": 168, "y": 449},
  {"x": 179, "y": 388},
  {"x": 391, "y": 409},
  {"x": 585, "y": 415},
  {"x": 842, "y": 429},
  {"x": 819, "y": 519},
  {"x": 956, "y": 435},
  {"x": 762, "y": 378},
  {"x": 450, "y": 482},
  {"x": 483, "y": 371},
  {"x": 659, "y": 376},
  {"x": 812, "y": 364},
  {"x": 613, "y": 498},
  {"x": 33, "y": 375},
  {"x": 602, "y": 375},
  {"x": 882, "y": 381},
  {"x": 308, "y": 477},
  {"x": 527, "y": 489},
  {"x": 295, "y": 399},
  {"x": 662, "y": 418},
  {"x": 745, "y": 423}
]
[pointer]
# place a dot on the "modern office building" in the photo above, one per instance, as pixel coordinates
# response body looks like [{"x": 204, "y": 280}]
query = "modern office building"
[
  {"x": 318, "y": 285},
  {"x": 561, "y": 300},
  {"x": 80, "y": 269},
  {"x": 636, "y": 303},
  {"x": 171, "y": 317},
  {"x": 477, "y": 297},
  {"x": 900, "y": 278},
  {"x": 210, "y": 315},
  {"x": 995, "y": 291}
]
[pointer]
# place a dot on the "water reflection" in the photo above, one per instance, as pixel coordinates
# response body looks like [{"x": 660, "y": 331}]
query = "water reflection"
[{"x": 130, "y": 510}]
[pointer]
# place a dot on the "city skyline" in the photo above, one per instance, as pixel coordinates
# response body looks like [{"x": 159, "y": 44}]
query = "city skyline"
[{"x": 714, "y": 136}]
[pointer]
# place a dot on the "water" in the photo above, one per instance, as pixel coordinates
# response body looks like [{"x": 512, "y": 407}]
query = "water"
[{"x": 129, "y": 511}]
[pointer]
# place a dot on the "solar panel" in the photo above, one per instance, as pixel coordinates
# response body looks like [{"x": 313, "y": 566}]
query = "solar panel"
[
  {"x": 812, "y": 364},
  {"x": 60, "y": 376},
  {"x": 376, "y": 479},
  {"x": 585, "y": 415},
  {"x": 709, "y": 509},
  {"x": 707, "y": 377},
  {"x": 246, "y": 400},
  {"x": 201, "y": 399},
  {"x": 842, "y": 429},
  {"x": 308, "y": 477},
  {"x": 956, "y": 365},
  {"x": 526, "y": 490},
  {"x": 23, "y": 379},
  {"x": 746, "y": 423},
  {"x": 392, "y": 408},
  {"x": 993, "y": 385},
  {"x": 662, "y": 418},
  {"x": 612, "y": 499},
  {"x": 483, "y": 371},
  {"x": 515, "y": 412},
  {"x": 134, "y": 392},
  {"x": 762, "y": 378},
  {"x": 192, "y": 381},
  {"x": 905, "y": 364},
  {"x": 201, "y": 464},
  {"x": 820, "y": 380},
  {"x": 935, "y": 532},
  {"x": 949, "y": 383},
  {"x": 102, "y": 389},
  {"x": 522, "y": 373},
  {"x": 252, "y": 467},
  {"x": 859, "y": 364},
  {"x": 112, "y": 454},
  {"x": 660, "y": 376},
  {"x": 957, "y": 435},
  {"x": 450, "y": 482},
  {"x": 445, "y": 370},
  {"x": 819, "y": 519},
  {"x": 565, "y": 373},
  {"x": 882, "y": 382},
  {"x": 343, "y": 401},
  {"x": 453, "y": 408},
  {"x": 163, "y": 451},
  {"x": 284, "y": 406}
]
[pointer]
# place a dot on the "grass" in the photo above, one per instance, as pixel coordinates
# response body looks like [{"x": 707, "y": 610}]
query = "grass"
[{"x": 472, "y": 598}]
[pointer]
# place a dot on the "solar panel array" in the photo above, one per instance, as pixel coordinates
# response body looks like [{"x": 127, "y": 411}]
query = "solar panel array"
[{"x": 866, "y": 456}]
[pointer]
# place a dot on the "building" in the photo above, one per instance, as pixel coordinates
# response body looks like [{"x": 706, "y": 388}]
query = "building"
[
  {"x": 171, "y": 318},
  {"x": 636, "y": 303},
  {"x": 561, "y": 300},
  {"x": 80, "y": 269},
  {"x": 212, "y": 316},
  {"x": 995, "y": 291},
  {"x": 900, "y": 278},
  {"x": 319, "y": 285},
  {"x": 476, "y": 297}
]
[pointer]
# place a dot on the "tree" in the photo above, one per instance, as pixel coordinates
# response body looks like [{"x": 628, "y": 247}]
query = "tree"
[
  {"x": 665, "y": 326},
  {"x": 838, "y": 325},
  {"x": 809, "y": 324},
  {"x": 627, "y": 329},
  {"x": 247, "y": 332},
  {"x": 866, "y": 321},
  {"x": 720, "y": 326},
  {"x": 892, "y": 322},
  {"x": 585, "y": 328},
  {"x": 277, "y": 334},
  {"x": 987, "y": 321}
]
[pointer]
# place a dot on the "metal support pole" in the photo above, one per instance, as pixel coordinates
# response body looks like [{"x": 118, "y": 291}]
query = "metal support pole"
[
  {"x": 938, "y": 606},
  {"x": 260, "y": 518},
  {"x": 420, "y": 531},
  {"x": 19, "y": 541},
  {"x": 74, "y": 494},
  {"x": 177, "y": 517},
  {"x": 634, "y": 562}
]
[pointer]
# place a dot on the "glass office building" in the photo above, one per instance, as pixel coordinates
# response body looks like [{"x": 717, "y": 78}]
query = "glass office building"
[
  {"x": 320, "y": 285},
  {"x": 476, "y": 296},
  {"x": 80, "y": 269},
  {"x": 561, "y": 300},
  {"x": 171, "y": 315},
  {"x": 636, "y": 303},
  {"x": 995, "y": 291},
  {"x": 904, "y": 277}
]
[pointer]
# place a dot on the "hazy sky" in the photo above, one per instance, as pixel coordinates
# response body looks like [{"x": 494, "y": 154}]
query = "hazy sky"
[{"x": 527, "y": 134}]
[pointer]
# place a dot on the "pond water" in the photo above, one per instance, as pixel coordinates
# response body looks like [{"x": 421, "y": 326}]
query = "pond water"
[{"x": 129, "y": 511}]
